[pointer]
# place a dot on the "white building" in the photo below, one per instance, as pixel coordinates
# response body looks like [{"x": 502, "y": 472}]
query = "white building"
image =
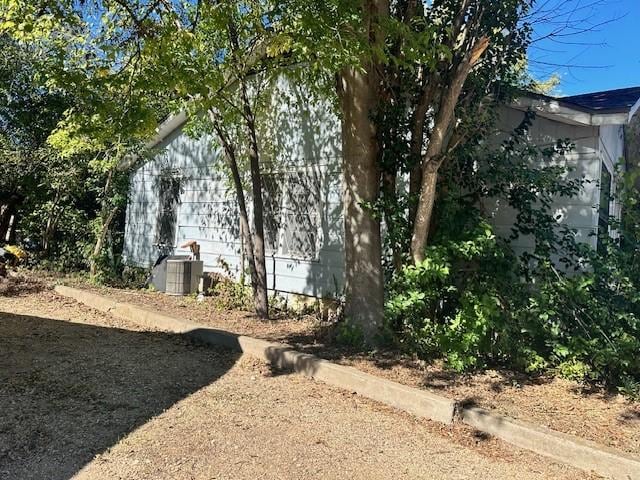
[{"x": 183, "y": 193}]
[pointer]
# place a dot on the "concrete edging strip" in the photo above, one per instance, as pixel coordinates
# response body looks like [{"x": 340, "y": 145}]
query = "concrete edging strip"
[{"x": 565, "y": 448}]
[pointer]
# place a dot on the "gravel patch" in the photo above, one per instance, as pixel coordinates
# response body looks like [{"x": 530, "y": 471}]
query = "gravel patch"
[
  {"x": 597, "y": 415},
  {"x": 88, "y": 396}
]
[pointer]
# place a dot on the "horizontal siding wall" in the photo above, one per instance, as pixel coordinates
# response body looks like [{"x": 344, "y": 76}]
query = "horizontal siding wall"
[
  {"x": 298, "y": 136},
  {"x": 579, "y": 212}
]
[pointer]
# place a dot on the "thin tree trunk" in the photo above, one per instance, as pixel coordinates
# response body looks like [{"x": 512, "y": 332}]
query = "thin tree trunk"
[
  {"x": 107, "y": 217},
  {"x": 261, "y": 298},
  {"x": 104, "y": 231},
  {"x": 262, "y": 302},
  {"x": 424, "y": 212},
  {"x": 437, "y": 144},
  {"x": 415, "y": 147},
  {"x": 50, "y": 226},
  {"x": 6, "y": 212},
  {"x": 245, "y": 230},
  {"x": 13, "y": 227}
]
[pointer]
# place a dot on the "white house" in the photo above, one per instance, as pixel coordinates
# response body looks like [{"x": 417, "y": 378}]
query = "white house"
[
  {"x": 595, "y": 124},
  {"x": 183, "y": 193}
]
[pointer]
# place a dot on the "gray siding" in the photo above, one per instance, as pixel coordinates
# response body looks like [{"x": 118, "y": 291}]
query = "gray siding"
[
  {"x": 301, "y": 140},
  {"x": 579, "y": 212}
]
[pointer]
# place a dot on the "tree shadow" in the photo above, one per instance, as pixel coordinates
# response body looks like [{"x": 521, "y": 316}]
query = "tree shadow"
[{"x": 70, "y": 391}]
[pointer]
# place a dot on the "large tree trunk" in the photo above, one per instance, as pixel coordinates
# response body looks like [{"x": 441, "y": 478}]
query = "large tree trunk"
[
  {"x": 358, "y": 89},
  {"x": 245, "y": 230},
  {"x": 363, "y": 247},
  {"x": 438, "y": 142}
]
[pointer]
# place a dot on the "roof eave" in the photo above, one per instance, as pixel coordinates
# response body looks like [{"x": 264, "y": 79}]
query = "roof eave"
[
  {"x": 166, "y": 128},
  {"x": 556, "y": 109}
]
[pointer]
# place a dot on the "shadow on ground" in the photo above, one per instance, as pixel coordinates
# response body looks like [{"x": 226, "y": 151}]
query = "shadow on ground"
[{"x": 70, "y": 391}]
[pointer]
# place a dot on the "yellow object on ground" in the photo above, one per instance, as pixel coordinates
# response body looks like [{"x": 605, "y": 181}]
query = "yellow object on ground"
[{"x": 18, "y": 252}]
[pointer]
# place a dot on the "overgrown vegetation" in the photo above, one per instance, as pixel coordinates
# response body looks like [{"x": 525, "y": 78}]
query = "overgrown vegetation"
[
  {"x": 84, "y": 84},
  {"x": 68, "y": 139},
  {"x": 560, "y": 307}
]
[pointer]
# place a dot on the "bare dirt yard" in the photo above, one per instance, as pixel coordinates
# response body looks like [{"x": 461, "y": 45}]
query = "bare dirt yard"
[
  {"x": 598, "y": 415},
  {"x": 84, "y": 395}
]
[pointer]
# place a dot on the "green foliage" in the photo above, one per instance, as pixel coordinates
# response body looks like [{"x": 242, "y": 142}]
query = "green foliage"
[
  {"x": 230, "y": 295},
  {"x": 561, "y": 307},
  {"x": 349, "y": 334},
  {"x": 70, "y": 125},
  {"x": 448, "y": 304}
]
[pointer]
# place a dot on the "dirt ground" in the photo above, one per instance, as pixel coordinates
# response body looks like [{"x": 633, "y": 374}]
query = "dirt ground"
[
  {"x": 88, "y": 396},
  {"x": 604, "y": 417}
]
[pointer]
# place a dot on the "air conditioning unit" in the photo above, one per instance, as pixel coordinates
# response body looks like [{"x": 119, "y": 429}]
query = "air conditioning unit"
[{"x": 183, "y": 276}]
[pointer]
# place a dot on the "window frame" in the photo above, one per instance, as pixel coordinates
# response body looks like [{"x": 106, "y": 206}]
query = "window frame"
[
  {"x": 603, "y": 219},
  {"x": 282, "y": 176}
]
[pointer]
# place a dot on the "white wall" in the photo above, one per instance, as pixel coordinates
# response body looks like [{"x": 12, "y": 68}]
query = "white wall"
[
  {"x": 579, "y": 212},
  {"x": 301, "y": 137}
]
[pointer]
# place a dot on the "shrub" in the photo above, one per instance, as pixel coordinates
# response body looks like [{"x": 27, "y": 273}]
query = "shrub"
[
  {"x": 561, "y": 307},
  {"x": 469, "y": 302},
  {"x": 228, "y": 294}
]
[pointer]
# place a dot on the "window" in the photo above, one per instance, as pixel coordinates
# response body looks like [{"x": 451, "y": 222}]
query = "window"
[
  {"x": 292, "y": 214},
  {"x": 603, "y": 208},
  {"x": 168, "y": 199},
  {"x": 272, "y": 205}
]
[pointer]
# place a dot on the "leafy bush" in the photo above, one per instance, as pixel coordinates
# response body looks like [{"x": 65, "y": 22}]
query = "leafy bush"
[
  {"x": 561, "y": 307},
  {"x": 349, "y": 334},
  {"x": 466, "y": 302},
  {"x": 228, "y": 294}
]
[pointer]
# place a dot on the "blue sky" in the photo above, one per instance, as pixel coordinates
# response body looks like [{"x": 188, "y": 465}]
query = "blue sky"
[{"x": 597, "y": 46}]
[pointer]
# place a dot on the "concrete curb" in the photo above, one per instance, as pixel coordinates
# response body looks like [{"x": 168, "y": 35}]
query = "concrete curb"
[
  {"x": 417, "y": 402},
  {"x": 565, "y": 448}
]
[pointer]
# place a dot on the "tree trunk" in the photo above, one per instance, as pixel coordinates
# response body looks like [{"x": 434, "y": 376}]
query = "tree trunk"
[
  {"x": 423, "y": 103},
  {"x": 13, "y": 227},
  {"x": 261, "y": 299},
  {"x": 6, "y": 212},
  {"x": 50, "y": 226},
  {"x": 363, "y": 248},
  {"x": 104, "y": 231},
  {"x": 424, "y": 211},
  {"x": 107, "y": 217},
  {"x": 438, "y": 141},
  {"x": 358, "y": 89},
  {"x": 245, "y": 230}
]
